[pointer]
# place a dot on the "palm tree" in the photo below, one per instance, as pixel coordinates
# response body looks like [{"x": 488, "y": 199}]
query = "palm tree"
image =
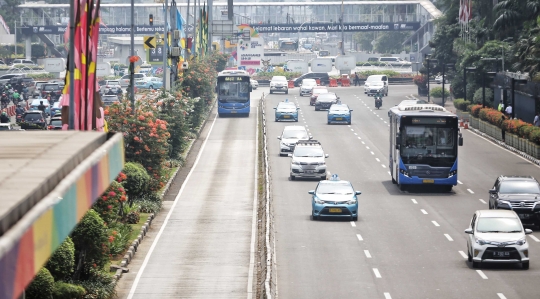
[
  {"x": 511, "y": 14},
  {"x": 527, "y": 52}
]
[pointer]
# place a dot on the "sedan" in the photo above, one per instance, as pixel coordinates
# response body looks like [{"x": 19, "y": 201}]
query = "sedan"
[
  {"x": 339, "y": 114},
  {"x": 324, "y": 101},
  {"x": 315, "y": 92},
  {"x": 149, "y": 83},
  {"x": 497, "y": 236},
  {"x": 254, "y": 84},
  {"x": 34, "y": 120},
  {"x": 55, "y": 123},
  {"x": 286, "y": 111},
  {"x": 334, "y": 198},
  {"x": 109, "y": 99}
]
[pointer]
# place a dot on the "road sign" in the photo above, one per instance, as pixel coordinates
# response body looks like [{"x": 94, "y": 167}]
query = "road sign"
[{"x": 149, "y": 42}]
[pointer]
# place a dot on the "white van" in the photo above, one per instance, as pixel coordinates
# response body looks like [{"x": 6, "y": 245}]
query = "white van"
[
  {"x": 394, "y": 61},
  {"x": 279, "y": 83},
  {"x": 376, "y": 83}
]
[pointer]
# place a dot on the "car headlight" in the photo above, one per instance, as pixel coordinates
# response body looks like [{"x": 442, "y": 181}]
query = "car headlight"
[
  {"x": 282, "y": 143},
  {"x": 521, "y": 241},
  {"x": 318, "y": 200},
  {"x": 504, "y": 202},
  {"x": 480, "y": 241},
  {"x": 452, "y": 173},
  {"x": 404, "y": 172},
  {"x": 322, "y": 163},
  {"x": 352, "y": 201},
  {"x": 272, "y": 84},
  {"x": 295, "y": 162}
]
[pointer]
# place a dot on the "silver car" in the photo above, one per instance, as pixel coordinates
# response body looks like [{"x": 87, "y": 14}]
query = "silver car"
[
  {"x": 289, "y": 137},
  {"x": 308, "y": 160},
  {"x": 279, "y": 83},
  {"x": 307, "y": 86},
  {"x": 254, "y": 83},
  {"x": 497, "y": 236}
]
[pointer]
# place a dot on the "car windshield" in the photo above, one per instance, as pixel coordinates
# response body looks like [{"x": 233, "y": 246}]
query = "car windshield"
[
  {"x": 307, "y": 83},
  {"x": 343, "y": 188},
  {"x": 433, "y": 145},
  {"x": 33, "y": 116},
  {"x": 56, "y": 123},
  {"x": 517, "y": 187},
  {"x": 498, "y": 225},
  {"x": 339, "y": 110},
  {"x": 50, "y": 87},
  {"x": 295, "y": 134},
  {"x": 312, "y": 152},
  {"x": 4, "y": 128},
  {"x": 373, "y": 79},
  {"x": 233, "y": 92},
  {"x": 289, "y": 106},
  {"x": 320, "y": 91}
]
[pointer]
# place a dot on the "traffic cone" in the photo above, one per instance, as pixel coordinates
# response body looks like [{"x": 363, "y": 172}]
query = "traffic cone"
[
  {"x": 466, "y": 126},
  {"x": 461, "y": 123}
]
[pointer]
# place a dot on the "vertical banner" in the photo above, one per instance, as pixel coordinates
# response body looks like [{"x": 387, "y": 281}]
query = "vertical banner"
[{"x": 250, "y": 49}]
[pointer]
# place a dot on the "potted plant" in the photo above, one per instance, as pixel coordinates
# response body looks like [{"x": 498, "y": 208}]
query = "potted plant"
[{"x": 421, "y": 83}]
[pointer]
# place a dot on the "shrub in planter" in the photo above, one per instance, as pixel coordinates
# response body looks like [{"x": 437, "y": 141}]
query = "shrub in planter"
[
  {"x": 461, "y": 104},
  {"x": 42, "y": 286},
  {"x": 133, "y": 217},
  {"x": 108, "y": 205},
  {"x": 534, "y": 135},
  {"x": 90, "y": 239},
  {"x": 475, "y": 110},
  {"x": 420, "y": 80},
  {"x": 477, "y": 98},
  {"x": 119, "y": 235},
  {"x": 64, "y": 290},
  {"x": 514, "y": 126},
  {"x": 137, "y": 180},
  {"x": 525, "y": 131},
  {"x": 437, "y": 92},
  {"x": 62, "y": 262},
  {"x": 99, "y": 285},
  {"x": 147, "y": 206}
]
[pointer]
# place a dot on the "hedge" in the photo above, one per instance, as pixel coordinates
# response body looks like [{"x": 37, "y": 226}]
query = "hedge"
[
  {"x": 514, "y": 126},
  {"x": 64, "y": 290},
  {"x": 437, "y": 92},
  {"x": 461, "y": 104},
  {"x": 62, "y": 261}
]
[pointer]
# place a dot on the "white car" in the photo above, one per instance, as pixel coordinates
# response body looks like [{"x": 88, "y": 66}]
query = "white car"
[
  {"x": 307, "y": 86},
  {"x": 279, "y": 83},
  {"x": 438, "y": 79},
  {"x": 124, "y": 81},
  {"x": 376, "y": 83},
  {"x": 254, "y": 83},
  {"x": 308, "y": 160},
  {"x": 497, "y": 236},
  {"x": 289, "y": 137}
]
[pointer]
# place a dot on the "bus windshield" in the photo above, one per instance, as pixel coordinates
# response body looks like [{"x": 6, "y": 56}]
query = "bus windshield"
[
  {"x": 233, "y": 92},
  {"x": 432, "y": 145}
]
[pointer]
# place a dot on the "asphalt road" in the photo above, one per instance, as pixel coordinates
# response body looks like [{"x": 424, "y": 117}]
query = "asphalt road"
[
  {"x": 203, "y": 248},
  {"x": 404, "y": 244}
]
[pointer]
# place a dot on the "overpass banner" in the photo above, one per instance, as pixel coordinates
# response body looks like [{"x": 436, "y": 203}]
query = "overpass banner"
[
  {"x": 347, "y": 27},
  {"x": 120, "y": 29}
]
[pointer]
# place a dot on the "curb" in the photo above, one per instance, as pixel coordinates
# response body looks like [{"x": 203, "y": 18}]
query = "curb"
[{"x": 132, "y": 250}]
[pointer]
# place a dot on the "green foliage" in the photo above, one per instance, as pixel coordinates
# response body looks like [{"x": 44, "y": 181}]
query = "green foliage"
[
  {"x": 64, "y": 290},
  {"x": 534, "y": 135},
  {"x": 119, "y": 235},
  {"x": 527, "y": 52},
  {"x": 62, "y": 262},
  {"x": 219, "y": 60},
  {"x": 389, "y": 73},
  {"x": 364, "y": 39},
  {"x": 391, "y": 41},
  {"x": 269, "y": 75},
  {"x": 137, "y": 181},
  {"x": 108, "y": 205},
  {"x": 437, "y": 92},
  {"x": 132, "y": 217},
  {"x": 90, "y": 238},
  {"x": 42, "y": 76},
  {"x": 461, "y": 104},
  {"x": 42, "y": 285},
  {"x": 147, "y": 206},
  {"x": 99, "y": 285},
  {"x": 38, "y": 50},
  {"x": 478, "y": 96}
]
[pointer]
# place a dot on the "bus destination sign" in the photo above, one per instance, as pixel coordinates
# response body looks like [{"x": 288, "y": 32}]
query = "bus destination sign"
[{"x": 429, "y": 121}]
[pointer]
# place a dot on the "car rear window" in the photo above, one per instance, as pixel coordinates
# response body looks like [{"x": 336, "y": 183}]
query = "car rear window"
[
  {"x": 519, "y": 187},
  {"x": 56, "y": 123},
  {"x": 295, "y": 134},
  {"x": 33, "y": 117},
  {"x": 51, "y": 87}
]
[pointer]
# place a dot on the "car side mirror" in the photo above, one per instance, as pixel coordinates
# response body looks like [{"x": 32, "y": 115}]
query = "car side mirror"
[
  {"x": 311, "y": 192},
  {"x": 289, "y": 155},
  {"x": 469, "y": 231},
  {"x": 351, "y": 110},
  {"x": 279, "y": 137},
  {"x": 528, "y": 231},
  {"x": 275, "y": 108},
  {"x": 357, "y": 192},
  {"x": 326, "y": 155},
  {"x": 492, "y": 191}
]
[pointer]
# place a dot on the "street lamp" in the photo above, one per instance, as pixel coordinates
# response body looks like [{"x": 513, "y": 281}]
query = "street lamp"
[
  {"x": 465, "y": 70},
  {"x": 428, "y": 96},
  {"x": 502, "y": 48},
  {"x": 342, "y": 32}
]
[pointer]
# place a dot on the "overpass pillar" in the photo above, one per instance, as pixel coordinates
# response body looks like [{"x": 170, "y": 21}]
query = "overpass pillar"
[{"x": 28, "y": 47}]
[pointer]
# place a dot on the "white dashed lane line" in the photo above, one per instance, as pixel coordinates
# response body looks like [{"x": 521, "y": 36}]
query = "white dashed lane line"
[
  {"x": 463, "y": 254},
  {"x": 459, "y": 182},
  {"x": 377, "y": 273},
  {"x": 435, "y": 223},
  {"x": 387, "y": 296},
  {"x": 368, "y": 255},
  {"x": 383, "y": 166},
  {"x": 501, "y": 296},
  {"x": 481, "y": 274},
  {"x": 359, "y": 237},
  {"x": 372, "y": 153},
  {"x": 367, "y": 147},
  {"x": 363, "y": 142},
  {"x": 423, "y": 211},
  {"x": 448, "y": 237},
  {"x": 534, "y": 238},
  {"x": 353, "y": 224},
  {"x": 377, "y": 159},
  {"x": 470, "y": 191},
  {"x": 482, "y": 201},
  {"x": 414, "y": 201}
]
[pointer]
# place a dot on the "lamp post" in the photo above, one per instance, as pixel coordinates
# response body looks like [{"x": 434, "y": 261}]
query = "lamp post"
[
  {"x": 428, "y": 96},
  {"x": 502, "y": 48},
  {"x": 342, "y": 32},
  {"x": 470, "y": 69}
]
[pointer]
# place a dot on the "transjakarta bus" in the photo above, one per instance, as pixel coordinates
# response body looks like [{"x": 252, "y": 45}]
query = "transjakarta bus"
[
  {"x": 424, "y": 141},
  {"x": 233, "y": 88}
]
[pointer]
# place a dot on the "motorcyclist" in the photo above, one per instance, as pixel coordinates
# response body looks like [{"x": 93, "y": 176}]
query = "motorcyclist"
[
  {"x": 19, "y": 110},
  {"x": 4, "y": 118},
  {"x": 378, "y": 96},
  {"x": 4, "y": 99},
  {"x": 16, "y": 97}
]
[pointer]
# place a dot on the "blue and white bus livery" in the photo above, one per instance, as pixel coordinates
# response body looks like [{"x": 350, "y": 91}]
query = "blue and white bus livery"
[
  {"x": 233, "y": 92},
  {"x": 424, "y": 140}
]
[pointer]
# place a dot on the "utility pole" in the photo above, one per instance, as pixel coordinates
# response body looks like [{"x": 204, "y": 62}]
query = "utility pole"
[
  {"x": 187, "y": 35},
  {"x": 342, "y": 32},
  {"x": 71, "y": 67},
  {"x": 165, "y": 46},
  {"x": 132, "y": 65},
  {"x": 210, "y": 21}
]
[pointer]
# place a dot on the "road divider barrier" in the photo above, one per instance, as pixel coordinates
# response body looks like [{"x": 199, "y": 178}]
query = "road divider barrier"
[
  {"x": 333, "y": 83},
  {"x": 291, "y": 84},
  {"x": 345, "y": 82},
  {"x": 318, "y": 81}
]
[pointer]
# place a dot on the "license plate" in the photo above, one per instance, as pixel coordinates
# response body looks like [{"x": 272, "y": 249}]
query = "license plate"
[
  {"x": 309, "y": 171},
  {"x": 286, "y": 116},
  {"x": 339, "y": 118},
  {"x": 501, "y": 253},
  {"x": 335, "y": 210},
  {"x": 233, "y": 111},
  {"x": 428, "y": 181}
]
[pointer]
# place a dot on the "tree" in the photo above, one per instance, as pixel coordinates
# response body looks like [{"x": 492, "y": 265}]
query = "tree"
[
  {"x": 10, "y": 13},
  {"x": 62, "y": 262},
  {"x": 364, "y": 39},
  {"x": 136, "y": 182},
  {"x": 42, "y": 285},
  {"x": 527, "y": 52}
]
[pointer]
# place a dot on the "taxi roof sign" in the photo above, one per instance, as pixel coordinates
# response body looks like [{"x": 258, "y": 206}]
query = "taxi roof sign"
[{"x": 334, "y": 177}]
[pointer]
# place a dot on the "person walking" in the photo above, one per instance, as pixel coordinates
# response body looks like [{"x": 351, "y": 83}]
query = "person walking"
[
  {"x": 356, "y": 79},
  {"x": 536, "y": 121},
  {"x": 501, "y": 106},
  {"x": 508, "y": 111}
]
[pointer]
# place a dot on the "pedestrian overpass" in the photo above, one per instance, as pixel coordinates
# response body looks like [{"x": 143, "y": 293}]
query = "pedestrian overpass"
[{"x": 51, "y": 20}]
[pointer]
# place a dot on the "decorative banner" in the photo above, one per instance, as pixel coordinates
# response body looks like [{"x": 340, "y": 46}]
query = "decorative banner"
[
  {"x": 120, "y": 29},
  {"x": 347, "y": 27},
  {"x": 249, "y": 51}
]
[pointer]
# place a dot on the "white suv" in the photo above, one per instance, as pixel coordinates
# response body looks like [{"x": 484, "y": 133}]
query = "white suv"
[
  {"x": 308, "y": 160},
  {"x": 279, "y": 83},
  {"x": 376, "y": 83},
  {"x": 289, "y": 137},
  {"x": 307, "y": 86}
]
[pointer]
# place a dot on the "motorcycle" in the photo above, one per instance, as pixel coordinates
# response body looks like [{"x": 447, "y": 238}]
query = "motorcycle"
[{"x": 378, "y": 102}]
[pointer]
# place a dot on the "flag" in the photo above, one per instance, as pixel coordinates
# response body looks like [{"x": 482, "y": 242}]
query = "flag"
[
  {"x": 469, "y": 11},
  {"x": 461, "y": 11}
]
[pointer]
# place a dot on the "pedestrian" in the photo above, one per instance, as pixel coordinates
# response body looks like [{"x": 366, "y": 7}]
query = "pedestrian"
[
  {"x": 501, "y": 106},
  {"x": 536, "y": 121},
  {"x": 508, "y": 111},
  {"x": 356, "y": 79},
  {"x": 503, "y": 131}
]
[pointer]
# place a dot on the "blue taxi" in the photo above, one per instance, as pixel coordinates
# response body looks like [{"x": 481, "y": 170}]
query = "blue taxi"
[
  {"x": 334, "y": 198},
  {"x": 339, "y": 114},
  {"x": 286, "y": 111}
]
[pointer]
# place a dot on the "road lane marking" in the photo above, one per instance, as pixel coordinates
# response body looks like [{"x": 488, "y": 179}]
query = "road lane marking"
[
  {"x": 359, "y": 138},
  {"x": 367, "y": 147},
  {"x": 481, "y": 274},
  {"x": 383, "y": 166},
  {"x": 368, "y": 255},
  {"x": 349, "y": 126},
  {"x": 470, "y": 191},
  {"x": 384, "y": 121},
  {"x": 448, "y": 237},
  {"x": 501, "y": 296},
  {"x": 463, "y": 254},
  {"x": 414, "y": 201},
  {"x": 166, "y": 221},
  {"x": 372, "y": 153},
  {"x": 352, "y": 130},
  {"x": 459, "y": 182},
  {"x": 377, "y": 159},
  {"x": 377, "y": 274},
  {"x": 355, "y": 133},
  {"x": 359, "y": 237},
  {"x": 353, "y": 224},
  {"x": 387, "y": 296},
  {"x": 435, "y": 223},
  {"x": 389, "y": 173},
  {"x": 534, "y": 238},
  {"x": 363, "y": 142},
  {"x": 482, "y": 201},
  {"x": 423, "y": 211}
]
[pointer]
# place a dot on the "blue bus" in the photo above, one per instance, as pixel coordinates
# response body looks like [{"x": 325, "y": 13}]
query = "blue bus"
[
  {"x": 233, "y": 89},
  {"x": 424, "y": 140}
]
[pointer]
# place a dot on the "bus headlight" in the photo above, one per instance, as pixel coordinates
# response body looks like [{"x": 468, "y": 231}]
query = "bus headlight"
[
  {"x": 405, "y": 173},
  {"x": 452, "y": 173}
]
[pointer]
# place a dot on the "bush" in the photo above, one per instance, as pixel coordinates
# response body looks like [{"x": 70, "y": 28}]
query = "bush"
[
  {"x": 388, "y": 73},
  {"x": 108, "y": 205},
  {"x": 99, "y": 285},
  {"x": 492, "y": 116},
  {"x": 514, "y": 126},
  {"x": 133, "y": 217},
  {"x": 534, "y": 135},
  {"x": 152, "y": 196},
  {"x": 119, "y": 235},
  {"x": 420, "y": 80},
  {"x": 475, "y": 110},
  {"x": 62, "y": 262},
  {"x": 137, "y": 181},
  {"x": 461, "y": 104},
  {"x": 42, "y": 76},
  {"x": 525, "y": 131},
  {"x": 437, "y": 92},
  {"x": 147, "y": 206},
  {"x": 477, "y": 98},
  {"x": 90, "y": 239},
  {"x": 64, "y": 290},
  {"x": 42, "y": 285}
]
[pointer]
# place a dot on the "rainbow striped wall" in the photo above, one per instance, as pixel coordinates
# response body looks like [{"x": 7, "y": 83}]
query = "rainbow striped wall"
[{"x": 31, "y": 252}]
